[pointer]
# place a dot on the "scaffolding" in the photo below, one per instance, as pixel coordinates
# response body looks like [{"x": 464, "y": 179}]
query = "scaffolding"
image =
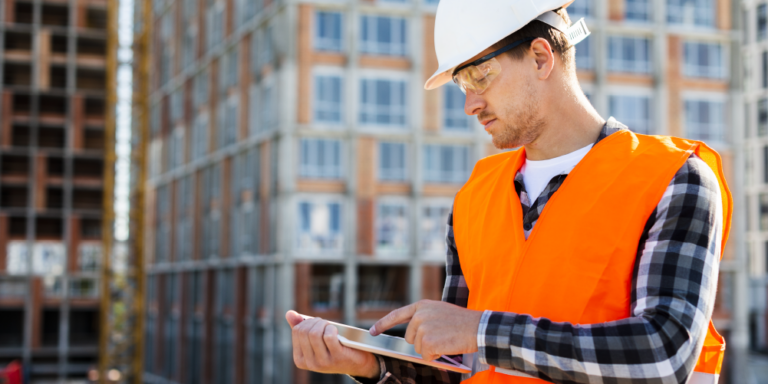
[{"x": 56, "y": 134}]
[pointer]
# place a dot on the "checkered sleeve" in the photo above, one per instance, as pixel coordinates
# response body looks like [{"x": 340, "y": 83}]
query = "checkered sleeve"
[
  {"x": 394, "y": 371},
  {"x": 673, "y": 294}
]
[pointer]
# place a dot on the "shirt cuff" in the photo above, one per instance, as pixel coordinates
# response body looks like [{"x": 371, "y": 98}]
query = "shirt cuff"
[
  {"x": 481, "y": 329},
  {"x": 383, "y": 378}
]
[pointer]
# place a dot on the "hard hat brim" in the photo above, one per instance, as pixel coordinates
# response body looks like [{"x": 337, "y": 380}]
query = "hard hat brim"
[{"x": 440, "y": 78}]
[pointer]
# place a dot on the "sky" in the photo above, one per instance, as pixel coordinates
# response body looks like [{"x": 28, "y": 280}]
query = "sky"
[{"x": 123, "y": 133}]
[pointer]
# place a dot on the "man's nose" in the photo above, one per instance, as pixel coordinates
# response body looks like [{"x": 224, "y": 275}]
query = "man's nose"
[{"x": 473, "y": 104}]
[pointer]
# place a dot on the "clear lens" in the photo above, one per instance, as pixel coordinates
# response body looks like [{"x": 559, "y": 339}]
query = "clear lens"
[{"x": 477, "y": 78}]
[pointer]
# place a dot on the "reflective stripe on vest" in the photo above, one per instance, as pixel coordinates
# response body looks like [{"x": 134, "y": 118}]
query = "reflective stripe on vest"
[{"x": 577, "y": 263}]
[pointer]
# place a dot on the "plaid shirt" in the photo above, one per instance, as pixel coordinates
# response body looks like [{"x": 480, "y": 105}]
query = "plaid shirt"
[{"x": 673, "y": 294}]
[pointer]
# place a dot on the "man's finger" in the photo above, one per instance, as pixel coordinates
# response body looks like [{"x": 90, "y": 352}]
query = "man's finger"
[
  {"x": 298, "y": 356},
  {"x": 293, "y": 318},
  {"x": 306, "y": 349},
  {"x": 318, "y": 343},
  {"x": 331, "y": 337},
  {"x": 410, "y": 332},
  {"x": 398, "y": 316}
]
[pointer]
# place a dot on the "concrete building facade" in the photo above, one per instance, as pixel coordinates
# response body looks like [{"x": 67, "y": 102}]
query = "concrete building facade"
[
  {"x": 755, "y": 166},
  {"x": 297, "y": 163},
  {"x": 52, "y": 145}
]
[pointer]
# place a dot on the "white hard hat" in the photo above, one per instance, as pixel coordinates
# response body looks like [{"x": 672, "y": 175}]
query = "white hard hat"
[{"x": 464, "y": 28}]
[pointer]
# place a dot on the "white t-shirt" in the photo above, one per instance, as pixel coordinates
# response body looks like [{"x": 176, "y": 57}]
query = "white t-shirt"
[{"x": 537, "y": 174}]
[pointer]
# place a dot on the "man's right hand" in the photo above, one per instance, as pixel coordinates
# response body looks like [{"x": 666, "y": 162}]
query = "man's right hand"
[{"x": 316, "y": 347}]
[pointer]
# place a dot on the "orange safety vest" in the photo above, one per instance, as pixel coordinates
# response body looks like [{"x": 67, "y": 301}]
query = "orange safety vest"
[{"x": 577, "y": 263}]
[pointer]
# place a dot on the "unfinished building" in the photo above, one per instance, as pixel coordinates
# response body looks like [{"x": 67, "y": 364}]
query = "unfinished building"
[
  {"x": 295, "y": 161},
  {"x": 52, "y": 125}
]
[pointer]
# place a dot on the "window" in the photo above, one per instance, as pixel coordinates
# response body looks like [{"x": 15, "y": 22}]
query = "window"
[
  {"x": 163, "y": 232},
  {"x": 764, "y": 211},
  {"x": 765, "y": 69},
  {"x": 228, "y": 121},
  {"x": 446, "y": 163},
  {"x": 320, "y": 159},
  {"x": 193, "y": 330},
  {"x": 765, "y": 165},
  {"x": 177, "y": 147},
  {"x": 262, "y": 50},
  {"x": 188, "y": 47},
  {"x": 201, "y": 88},
  {"x": 166, "y": 54},
  {"x": 319, "y": 226},
  {"x": 383, "y": 102},
  {"x": 224, "y": 337},
  {"x": 154, "y": 119},
  {"x": 328, "y": 99},
  {"x": 704, "y": 120},
  {"x": 200, "y": 136},
  {"x": 228, "y": 70},
  {"x": 749, "y": 165},
  {"x": 382, "y": 35},
  {"x": 246, "y": 9},
  {"x": 246, "y": 172},
  {"x": 184, "y": 201},
  {"x": 584, "y": 54},
  {"x": 634, "y": 111},
  {"x": 392, "y": 227},
  {"x": 89, "y": 257},
  {"x": 455, "y": 119},
  {"x": 269, "y": 106},
  {"x": 327, "y": 287},
  {"x": 638, "y": 10},
  {"x": 762, "y": 117},
  {"x": 381, "y": 287},
  {"x": 703, "y": 60},
  {"x": 762, "y": 22},
  {"x": 629, "y": 54},
  {"x": 579, "y": 9},
  {"x": 328, "y": 33},
  {"x": 434, "y": 219},
  {"x": 254, "y": 112},
  {"x": 691, "y": 12},
  {"x": 177, "y": 104},
  {"x": 211, "y": 212},
  {"x": 214, "y": 21},
  {"x": 392, "y": 161},
  {"x": 171, "y": 325}
]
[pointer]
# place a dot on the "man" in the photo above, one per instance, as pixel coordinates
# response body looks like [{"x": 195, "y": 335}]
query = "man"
[{"x": 614, "y": 282}]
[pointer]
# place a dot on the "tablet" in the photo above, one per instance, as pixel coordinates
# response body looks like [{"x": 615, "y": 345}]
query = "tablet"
[{"x": 391, "y": 346}]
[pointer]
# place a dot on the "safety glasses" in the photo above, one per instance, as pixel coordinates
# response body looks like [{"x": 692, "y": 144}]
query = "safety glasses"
[{"x": 478, "y": 75}]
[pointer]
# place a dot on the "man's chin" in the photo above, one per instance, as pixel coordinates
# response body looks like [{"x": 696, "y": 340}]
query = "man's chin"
[{"x": 503, "y": 143}]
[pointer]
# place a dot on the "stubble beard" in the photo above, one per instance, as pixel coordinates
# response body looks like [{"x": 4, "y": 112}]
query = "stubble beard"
[{"x": 524, "y": 124}]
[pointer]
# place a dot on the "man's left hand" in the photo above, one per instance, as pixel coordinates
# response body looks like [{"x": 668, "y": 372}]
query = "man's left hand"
[{"x": 435, "y": 327}]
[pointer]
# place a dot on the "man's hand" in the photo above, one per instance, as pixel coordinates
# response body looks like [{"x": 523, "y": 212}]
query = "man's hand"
[
  {"x": 316, "y": 347},
  {"x": 435, "y": 327}
]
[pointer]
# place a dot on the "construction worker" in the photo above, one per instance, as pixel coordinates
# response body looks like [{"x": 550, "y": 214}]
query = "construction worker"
[{"x": 614, "y": 282}]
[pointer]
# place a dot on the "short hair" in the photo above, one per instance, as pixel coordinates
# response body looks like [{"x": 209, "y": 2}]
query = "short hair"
[{"x": 538, "y": 29}]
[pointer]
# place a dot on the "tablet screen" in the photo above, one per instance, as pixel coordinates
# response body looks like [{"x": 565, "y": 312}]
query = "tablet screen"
[{"x": 393, "y": 343}]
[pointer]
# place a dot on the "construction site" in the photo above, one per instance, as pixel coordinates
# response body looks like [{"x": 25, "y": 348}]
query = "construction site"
[
  {"x": 54, "y": 177},
  {"x": 284, "y": 155}
]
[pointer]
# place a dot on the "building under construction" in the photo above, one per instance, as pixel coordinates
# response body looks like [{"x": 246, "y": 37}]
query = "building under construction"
[
  {"x": 294, "y": 161},
  {"x": 54, "y": 133}
]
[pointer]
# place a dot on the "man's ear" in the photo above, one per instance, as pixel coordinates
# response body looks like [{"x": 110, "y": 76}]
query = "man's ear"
[{"x": 544, "y": 56}]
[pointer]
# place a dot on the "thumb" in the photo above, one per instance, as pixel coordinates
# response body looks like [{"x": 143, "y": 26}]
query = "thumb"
[{"x": 293, "y": 318}]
